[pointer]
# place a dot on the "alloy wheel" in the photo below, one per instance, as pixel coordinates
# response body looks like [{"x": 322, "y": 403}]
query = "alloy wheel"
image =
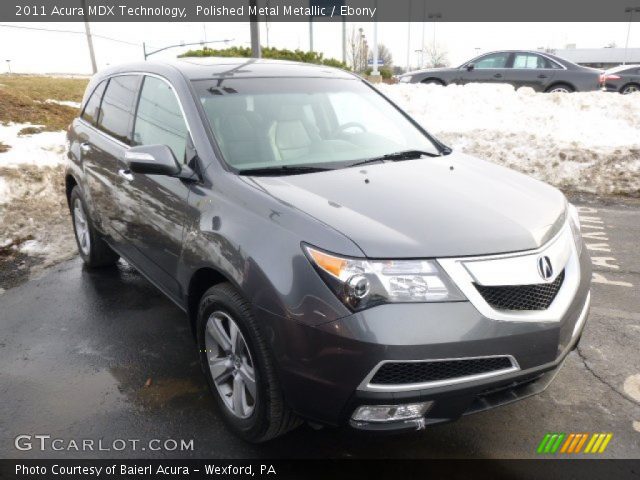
[
  {"x": 81, "y": 226},
  {"x": 559, "y": 90},
  {"x": 230, "y": 363},
  {"x": 630, "y": 89}
]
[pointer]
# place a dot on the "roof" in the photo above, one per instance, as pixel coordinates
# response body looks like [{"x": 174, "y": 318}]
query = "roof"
[
  {"x": 600, "y": 55},
  {"x": 215, "y": 67}
]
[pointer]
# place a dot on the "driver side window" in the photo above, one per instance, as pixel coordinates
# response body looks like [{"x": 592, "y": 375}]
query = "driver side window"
[{"x": 493, "y": 60}]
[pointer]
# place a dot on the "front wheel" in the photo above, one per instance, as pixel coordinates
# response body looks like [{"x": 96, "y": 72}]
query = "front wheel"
[
  {"x": 239, "y": 367},
  {"x": 92, "y": 248}
]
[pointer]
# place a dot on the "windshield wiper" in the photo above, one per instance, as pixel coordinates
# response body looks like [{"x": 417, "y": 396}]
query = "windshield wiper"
[
  {"x": 283, "y": 170},
  {"x": 397, "y": 156}
]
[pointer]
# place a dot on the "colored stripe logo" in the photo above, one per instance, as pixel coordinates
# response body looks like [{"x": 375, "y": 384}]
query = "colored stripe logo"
[{"x": 573, "y": 443}]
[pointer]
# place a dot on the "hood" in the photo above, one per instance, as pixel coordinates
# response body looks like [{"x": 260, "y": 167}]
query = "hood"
[{"x": 424, "y": 208}]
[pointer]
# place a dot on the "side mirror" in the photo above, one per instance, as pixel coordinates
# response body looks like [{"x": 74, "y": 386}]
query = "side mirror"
[
  {"x": 152, "y": 159},
  {"x": 470, "y": 67}
]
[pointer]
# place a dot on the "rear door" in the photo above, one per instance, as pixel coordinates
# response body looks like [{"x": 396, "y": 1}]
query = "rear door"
[
  {"x": 531, "y": 70},
  {"x": 490, "y": 68},
  {"x": 154, "y": 206},
  {"x": 114, "y": 122}
]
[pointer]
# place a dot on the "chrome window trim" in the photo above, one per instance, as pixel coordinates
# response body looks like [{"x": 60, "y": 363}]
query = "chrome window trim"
[
  {"x": 461, "y": 276},
  {"x": 366, "y": 384},
  {"x": 129, "y": 73}
]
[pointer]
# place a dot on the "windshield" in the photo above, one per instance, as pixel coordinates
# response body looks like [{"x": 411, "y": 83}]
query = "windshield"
[{"x": 263, "y": 123}]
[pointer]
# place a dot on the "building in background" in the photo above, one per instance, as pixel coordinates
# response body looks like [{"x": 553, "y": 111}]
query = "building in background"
[{"x": 600, "y": 57}]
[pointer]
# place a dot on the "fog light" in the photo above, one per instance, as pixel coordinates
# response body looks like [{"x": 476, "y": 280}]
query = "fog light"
[{"x": 390, "y": 413}]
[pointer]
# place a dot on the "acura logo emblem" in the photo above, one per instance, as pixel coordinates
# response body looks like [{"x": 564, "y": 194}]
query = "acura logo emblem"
[{"x": 544, "y": 267}]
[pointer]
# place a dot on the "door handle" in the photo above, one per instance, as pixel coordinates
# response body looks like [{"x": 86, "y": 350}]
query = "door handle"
[
  {"x": 126, "y": 174},
  {"x": 542, "y": 76},
  {"x": 85, "y": 147},
  {"x": 497, "y": 75}
]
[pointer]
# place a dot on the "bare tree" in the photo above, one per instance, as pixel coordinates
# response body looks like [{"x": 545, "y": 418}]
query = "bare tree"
[
  {"x": 383, "y": 54},
  {"x": 435, "y": 56},
  {"x": 357, "y": 50}
]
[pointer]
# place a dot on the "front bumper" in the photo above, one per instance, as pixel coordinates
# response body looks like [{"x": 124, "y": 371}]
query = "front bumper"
[{"x": 322, "y": 368}]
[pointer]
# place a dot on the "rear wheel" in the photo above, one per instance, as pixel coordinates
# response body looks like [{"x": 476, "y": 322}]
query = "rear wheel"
[
  {"x": 630, "y": 88},
  {"x": 239, "y": 367},
  {"x": 92, "y": 248},
  {"x": 560, "y": 88}
]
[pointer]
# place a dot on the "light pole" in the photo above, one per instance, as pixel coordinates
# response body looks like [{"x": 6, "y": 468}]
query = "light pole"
[
  {"x": 630, "y": 11},
  {"x": 434, "y": 16},
  {"x": 409, "y": 39},
  {"x": 374, "y": 71},
  {"x": 9, "y": 66}
]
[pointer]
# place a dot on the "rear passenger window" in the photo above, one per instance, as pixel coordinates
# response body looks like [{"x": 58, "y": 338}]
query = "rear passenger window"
[
  {"x": 118, "y": 102},
  {"x": 90, "y": 112},
  {"x": 159, "y": 120}
]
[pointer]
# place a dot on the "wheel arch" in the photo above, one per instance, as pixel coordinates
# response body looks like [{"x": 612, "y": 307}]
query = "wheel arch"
[
  {"x": 202, "y": 280},
  {"x": 561, "y": 82},
  {"x": 69, "y": 183},
  {"x": 637, "y": 84},
  {"x": 433, "y": 80}
]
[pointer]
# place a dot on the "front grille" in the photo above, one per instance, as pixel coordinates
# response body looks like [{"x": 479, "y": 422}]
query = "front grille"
[
  {"x": 398, "y": 373},
  {"x": 522, "y": 297}
]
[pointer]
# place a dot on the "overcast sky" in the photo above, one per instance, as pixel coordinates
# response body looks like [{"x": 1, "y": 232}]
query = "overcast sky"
[{"x": 33, "y": 51}]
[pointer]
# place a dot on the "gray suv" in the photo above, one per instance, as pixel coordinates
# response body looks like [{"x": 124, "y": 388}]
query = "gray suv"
[{"x": 336, "y": 262}]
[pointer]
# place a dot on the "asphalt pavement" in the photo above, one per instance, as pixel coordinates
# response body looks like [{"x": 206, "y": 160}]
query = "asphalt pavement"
[{"x": 97, "y": 355}]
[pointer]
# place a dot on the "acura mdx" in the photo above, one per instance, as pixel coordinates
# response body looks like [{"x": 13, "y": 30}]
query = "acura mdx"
[{"x": 337, "y": 263}]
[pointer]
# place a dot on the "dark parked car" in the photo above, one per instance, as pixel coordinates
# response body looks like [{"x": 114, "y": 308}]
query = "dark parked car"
[
  {"x": 623, "y": 78},
  {"x": 336, "y": 262},
  {"x": 541, "y": 71}
]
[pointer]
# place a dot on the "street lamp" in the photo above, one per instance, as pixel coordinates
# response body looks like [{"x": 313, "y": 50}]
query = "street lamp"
[
  {"x": 630, "y": 11},
  {"x": 9, "y": 66},
  {"x": 434, "y": 17}
]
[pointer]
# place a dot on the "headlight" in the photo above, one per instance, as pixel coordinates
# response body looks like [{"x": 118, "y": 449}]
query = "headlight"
[
  {"x": 405, "y": 79},
  {"x": 574, "y": 221},
  {"x": 361, "y": 283}
]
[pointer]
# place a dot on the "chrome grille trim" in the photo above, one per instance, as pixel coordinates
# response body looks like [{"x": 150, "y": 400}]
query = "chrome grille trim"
[
  {"x": 366, "y": 384},
  {"x": 517, "y": 269}
]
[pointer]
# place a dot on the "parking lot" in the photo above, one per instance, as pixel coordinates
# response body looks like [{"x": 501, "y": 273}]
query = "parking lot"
[{"x": 90, "y": 355}]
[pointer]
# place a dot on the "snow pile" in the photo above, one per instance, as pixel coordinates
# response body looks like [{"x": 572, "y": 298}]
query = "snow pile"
[
  {"x": 587, "y": 141},
  {"x": 41, "y": 149},
  {"x": 34, "y": 219}
]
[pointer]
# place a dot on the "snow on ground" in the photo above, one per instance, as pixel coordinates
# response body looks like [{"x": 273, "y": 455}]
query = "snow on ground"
[
  {"x": 67, "y": 103},
  {"x": 588, "y": 141},
  {"x": 35, "y": 231}
]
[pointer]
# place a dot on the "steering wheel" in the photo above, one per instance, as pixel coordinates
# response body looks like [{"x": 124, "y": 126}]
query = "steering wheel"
[{"x": 348, "y": 125}]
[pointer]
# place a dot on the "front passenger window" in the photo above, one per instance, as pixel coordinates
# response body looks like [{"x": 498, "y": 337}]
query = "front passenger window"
[
  {"x": 493, "y": 60},
  {"x": 159, "y": 120}
]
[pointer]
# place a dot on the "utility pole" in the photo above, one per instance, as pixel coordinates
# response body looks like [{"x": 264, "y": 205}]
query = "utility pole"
[
  {"x": 409, "y": 39},
  {"x": 311, "y": 34},
  {"x": 9, "y": 66},
  {"x": 87, "y": 30},
  {"x": 255, "y": 32},
  {"x": 424, "y": 14},
  {"x": 344, "y": 41},
  {"x": 630, "y": 11}
]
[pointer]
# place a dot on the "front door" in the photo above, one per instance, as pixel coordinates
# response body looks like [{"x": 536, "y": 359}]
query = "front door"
[
  {"x": 490, "y": 68},
  {"x": 153, "y": 206}
]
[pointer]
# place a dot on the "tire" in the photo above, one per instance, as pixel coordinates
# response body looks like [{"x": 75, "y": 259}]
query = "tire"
[
  {"x": 560, "y": 88},
  {"x": 256, "y": 417},
  {"x": 433, "y": 81},
  {"x": 630, "y": 88},
  {"x": 92, "y": 248}
]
